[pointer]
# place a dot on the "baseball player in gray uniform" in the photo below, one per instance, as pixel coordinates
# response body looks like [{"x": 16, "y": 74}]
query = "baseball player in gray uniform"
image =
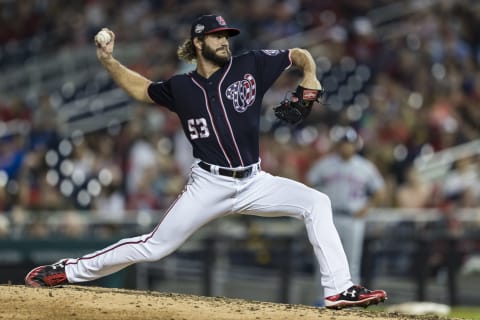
[
  {"x": 353, "y": 184},
  {"x": 219, "y": 105}
]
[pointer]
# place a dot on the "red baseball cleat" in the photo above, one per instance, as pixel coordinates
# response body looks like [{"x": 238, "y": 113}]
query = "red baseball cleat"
[
  {"x": 47, "y": 276},
  {"x": 355, "y": 296}
]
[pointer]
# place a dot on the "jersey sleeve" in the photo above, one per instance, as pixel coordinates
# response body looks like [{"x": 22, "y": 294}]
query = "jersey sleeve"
[
  {"x": 161, "y": 93},
  {"x": 271, "y": 64}
]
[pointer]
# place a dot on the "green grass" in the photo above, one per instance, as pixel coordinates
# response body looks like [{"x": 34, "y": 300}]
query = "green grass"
[{"x": 466, "y": 312}]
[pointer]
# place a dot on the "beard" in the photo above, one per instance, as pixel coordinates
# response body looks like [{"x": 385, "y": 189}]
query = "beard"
[{"x": 211, "y": 55}]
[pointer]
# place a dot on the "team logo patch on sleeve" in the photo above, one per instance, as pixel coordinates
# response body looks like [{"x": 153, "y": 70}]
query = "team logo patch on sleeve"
[
  {"x": 271, "y": 52},
  {"x": 242, "y": 93}
]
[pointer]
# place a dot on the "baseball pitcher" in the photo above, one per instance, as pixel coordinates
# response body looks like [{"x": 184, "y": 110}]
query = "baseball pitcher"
[{"x": 219, "y": 105}]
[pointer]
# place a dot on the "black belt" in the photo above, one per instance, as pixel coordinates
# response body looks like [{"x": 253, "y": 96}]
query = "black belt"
[{"x": 233, "y": 173}]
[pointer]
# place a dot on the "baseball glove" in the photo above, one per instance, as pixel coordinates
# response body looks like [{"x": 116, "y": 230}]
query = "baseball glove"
[{"x": 299, "y": 106}]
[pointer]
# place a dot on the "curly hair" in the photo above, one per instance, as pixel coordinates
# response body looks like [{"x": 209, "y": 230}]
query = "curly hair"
[{"x": 186, "y": 51}]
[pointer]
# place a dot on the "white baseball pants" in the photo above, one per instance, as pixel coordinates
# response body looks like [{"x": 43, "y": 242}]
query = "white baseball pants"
[{"x": 209, "y": 196}]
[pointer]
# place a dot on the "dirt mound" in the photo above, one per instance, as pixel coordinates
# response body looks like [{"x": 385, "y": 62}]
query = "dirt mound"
[{"x": 83, "y": 302}]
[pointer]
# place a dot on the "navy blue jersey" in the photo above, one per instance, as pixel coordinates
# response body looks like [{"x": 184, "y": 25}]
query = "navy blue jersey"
[{"x": 221, "y": 115}]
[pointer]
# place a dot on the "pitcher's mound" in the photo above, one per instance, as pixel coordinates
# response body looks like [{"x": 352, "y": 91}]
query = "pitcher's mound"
[{"x": 83, "y": 302}]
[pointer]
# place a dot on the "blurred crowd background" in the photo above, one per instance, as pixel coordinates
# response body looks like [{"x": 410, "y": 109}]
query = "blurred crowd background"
[{"x": 404, "y": 74}]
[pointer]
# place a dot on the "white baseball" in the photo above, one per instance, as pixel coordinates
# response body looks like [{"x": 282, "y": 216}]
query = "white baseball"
[{"x": 103, "y": 37}]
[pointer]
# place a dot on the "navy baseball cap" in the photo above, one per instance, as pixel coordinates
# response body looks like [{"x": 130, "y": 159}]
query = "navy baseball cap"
[{"x": 211, "y": 23}]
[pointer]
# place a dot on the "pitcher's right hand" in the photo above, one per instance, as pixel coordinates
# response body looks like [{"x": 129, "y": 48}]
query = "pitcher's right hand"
[{"x": 105, "y": 50}]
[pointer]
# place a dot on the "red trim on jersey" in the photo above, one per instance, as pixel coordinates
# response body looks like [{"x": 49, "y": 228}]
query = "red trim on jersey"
[
  {"x": 211, "y": 120},
  {"x": 131, "y": 242},
  {"x": 225, "y": 114}
]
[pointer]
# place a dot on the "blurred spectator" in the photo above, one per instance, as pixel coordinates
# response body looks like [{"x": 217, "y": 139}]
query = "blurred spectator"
[
  {"x": 43, "y": 132},
  {"x": 17, "y": 110},
  {"x": 3, "y": 199},
  {"x": 38, "y": 227},
  {"x": 12, "y": 155},
  {"x": 354, "y": 185},
  {"x": 143, "y": 196},
  {"x": 142, "y": 157},
  {"x": 106, "y": 156},
  {"x": 458, "y": 187},
  {"x": 72, "y": 224},
  {"x": 110, "y": 205},
  {"x": 18, "y": 218},
  {"x": 4, "y": 226},
  {"x": 83, "y": 160},
  {"x": 414, "y": 192},
  {"x": 50, "y": 198},
  {"x": 168, "y": 181}
]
